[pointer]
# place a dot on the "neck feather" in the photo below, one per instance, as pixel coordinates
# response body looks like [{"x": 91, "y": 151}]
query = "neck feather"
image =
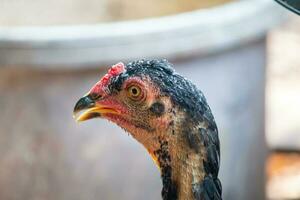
[{"x": 189, "y": 163}]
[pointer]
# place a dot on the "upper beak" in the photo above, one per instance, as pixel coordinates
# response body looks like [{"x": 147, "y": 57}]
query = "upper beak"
[{"x": 86, "y": 108}]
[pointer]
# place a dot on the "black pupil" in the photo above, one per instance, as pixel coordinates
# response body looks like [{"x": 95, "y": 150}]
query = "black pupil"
[{"x": 134, "y": 91}]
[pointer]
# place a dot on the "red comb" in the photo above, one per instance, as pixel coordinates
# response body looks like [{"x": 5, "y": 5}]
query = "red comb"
[
  {"x": 112, "y": 72},
  {"x": 116, "y": 69}
]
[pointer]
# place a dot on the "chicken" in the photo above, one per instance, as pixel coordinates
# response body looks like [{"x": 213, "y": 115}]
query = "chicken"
[{"x": 169, "y": 116}]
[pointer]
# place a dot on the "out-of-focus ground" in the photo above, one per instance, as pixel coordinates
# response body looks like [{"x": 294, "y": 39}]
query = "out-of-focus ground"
[{"x": 283, "y": 111}]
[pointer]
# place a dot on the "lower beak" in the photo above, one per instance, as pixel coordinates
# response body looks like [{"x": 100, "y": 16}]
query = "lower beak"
[{"x": 86, "y": 109}]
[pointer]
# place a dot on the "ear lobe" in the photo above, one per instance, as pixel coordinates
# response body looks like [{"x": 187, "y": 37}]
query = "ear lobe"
[{"x": 157, "y": 108}]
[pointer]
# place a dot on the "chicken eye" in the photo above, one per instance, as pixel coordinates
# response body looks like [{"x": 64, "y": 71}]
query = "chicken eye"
[{"x": 134, "y": 92}]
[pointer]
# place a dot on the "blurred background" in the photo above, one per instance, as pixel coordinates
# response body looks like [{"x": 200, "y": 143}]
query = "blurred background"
[{"x": 244, "y": 56}]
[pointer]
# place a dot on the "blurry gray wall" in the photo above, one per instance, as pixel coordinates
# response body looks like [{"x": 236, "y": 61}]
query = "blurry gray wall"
[{"x": 45, "y": 154}]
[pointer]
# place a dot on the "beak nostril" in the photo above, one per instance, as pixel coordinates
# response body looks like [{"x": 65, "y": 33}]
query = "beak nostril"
[{"x": 94, "y": 96}]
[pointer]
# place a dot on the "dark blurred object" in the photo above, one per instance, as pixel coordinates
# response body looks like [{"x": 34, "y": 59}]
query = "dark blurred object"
[{"x": 292, "y": 5}]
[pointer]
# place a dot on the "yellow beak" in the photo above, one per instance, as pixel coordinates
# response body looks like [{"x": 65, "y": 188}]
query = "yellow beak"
[{"x": 86, "y": 108}]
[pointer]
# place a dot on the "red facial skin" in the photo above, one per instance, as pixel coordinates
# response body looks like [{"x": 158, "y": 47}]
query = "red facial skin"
[
  {"x": 134, "y": 115},
  {"x": 101, "y": 86},
  {"x": 112, "y": 102},
  {"x": 148, "y": 95},
  {"x": 125, "y": 114}
]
